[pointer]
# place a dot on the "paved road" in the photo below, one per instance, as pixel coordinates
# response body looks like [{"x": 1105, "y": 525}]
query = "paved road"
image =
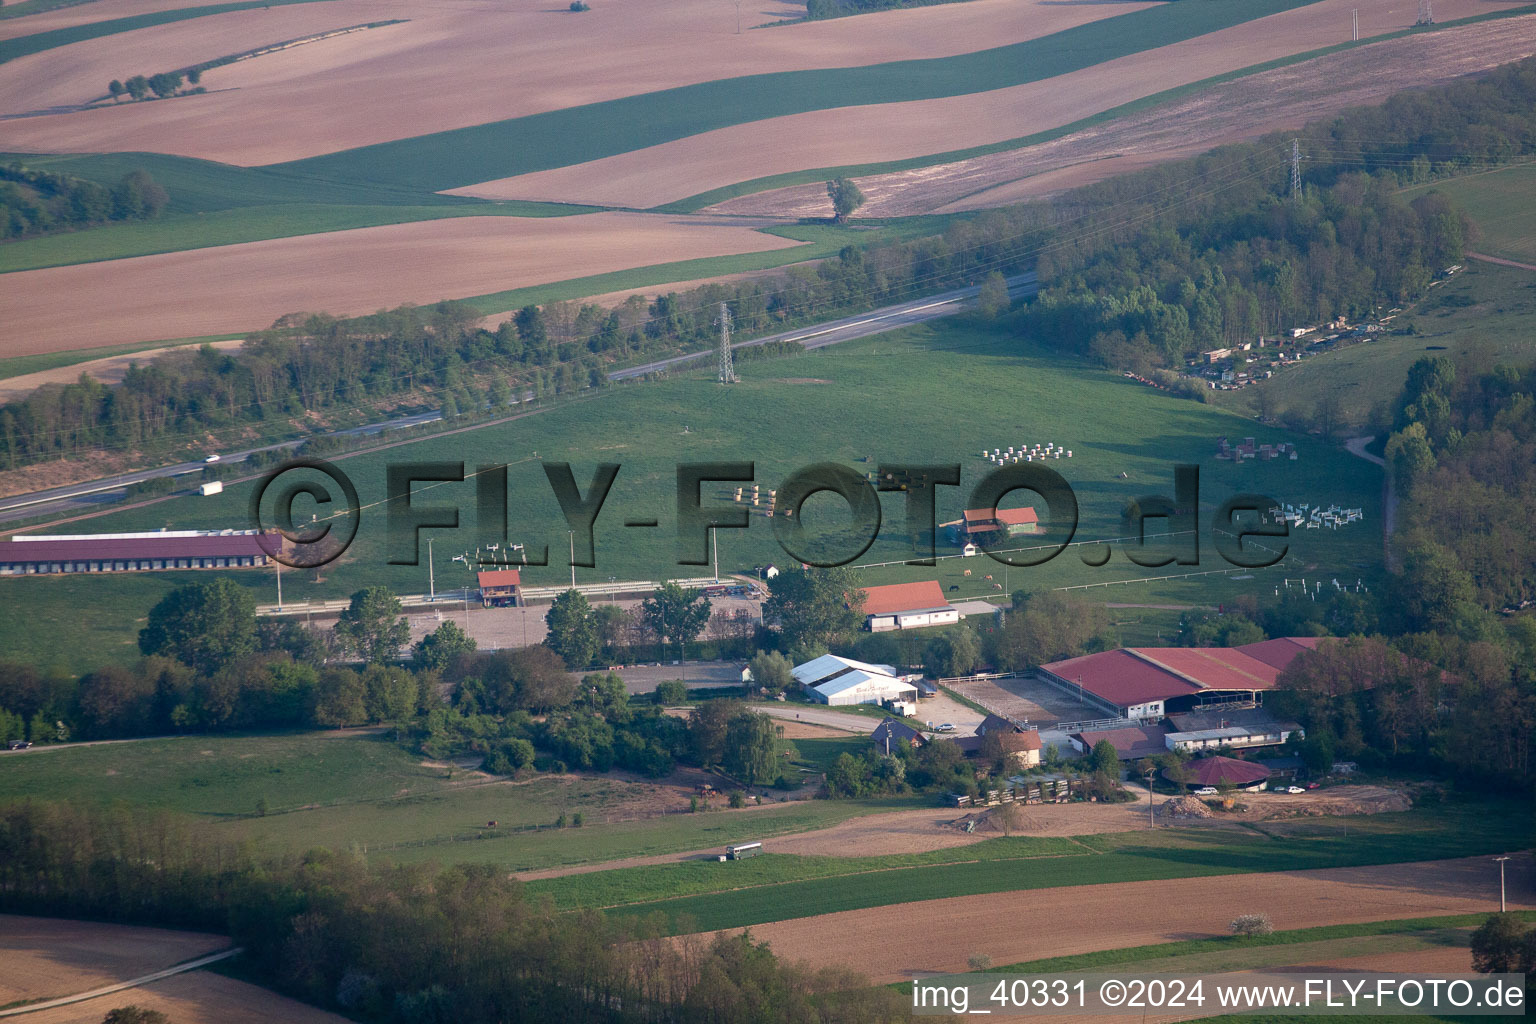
[{"x": 904, "y": 314}]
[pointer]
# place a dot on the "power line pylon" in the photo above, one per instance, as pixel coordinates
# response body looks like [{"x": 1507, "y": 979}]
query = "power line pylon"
[
  {"x": 1296, "y": 167},
  {"x": 1426, "y": 14},
  {"x": 727, "y": 371}
]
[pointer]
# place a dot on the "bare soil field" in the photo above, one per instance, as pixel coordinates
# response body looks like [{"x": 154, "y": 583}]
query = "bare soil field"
[
  {"x": 44, "y": 958},
  {"x": 1229, "y": 112},
  {"x": 109, "y": 370},
  {"x": 86, "y": 14},
  {"x": 329, "y": 91},
  {"x": 196, "y": 997},
  {"x": 939, "y": 935},
  {"x": 893, "y": 131},
  {"x": 248, "y": 286}
]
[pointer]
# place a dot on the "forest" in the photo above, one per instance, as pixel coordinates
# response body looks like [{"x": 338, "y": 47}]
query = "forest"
[{"x": 1142, "y": 269}]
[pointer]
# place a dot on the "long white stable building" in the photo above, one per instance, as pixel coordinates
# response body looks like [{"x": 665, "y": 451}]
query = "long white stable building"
[{"x": 843, "y": 681}]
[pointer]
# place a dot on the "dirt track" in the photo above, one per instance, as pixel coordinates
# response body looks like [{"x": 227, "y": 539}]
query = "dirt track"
[
  {"x": 246, "y": 287},
  {"x": 893, "y": 131},
  {"x": 43, "y": 958},
  {"x": 329, "y": 92},
  {"x": 198, "y": 997},
  {"x": 893, "y": 943}
]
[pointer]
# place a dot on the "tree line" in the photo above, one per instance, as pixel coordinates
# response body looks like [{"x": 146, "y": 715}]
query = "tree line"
[
  {"x": 400, "y": 944},
  {"x": 36, "y": 202},
  {"x": 163, "y": 84}
]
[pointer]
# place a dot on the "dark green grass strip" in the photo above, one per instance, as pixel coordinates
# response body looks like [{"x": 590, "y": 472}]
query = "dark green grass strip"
[
  {"x": 23, "y": 46},
  {"x": 559, "y": 138},
  {"x": 27, "y": 7},
  {"x": 1432, "y": 834},
  {"x": 820, "y": 174}
]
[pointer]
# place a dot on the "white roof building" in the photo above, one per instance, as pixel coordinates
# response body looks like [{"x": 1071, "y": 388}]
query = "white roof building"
[{"x": 842, "y": 681}]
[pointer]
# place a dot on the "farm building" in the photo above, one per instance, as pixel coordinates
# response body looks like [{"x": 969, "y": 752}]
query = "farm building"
[
  {"x": 1224, "y": 771},
  {"x": 1131, "y": 742},
  {"x": 1237, "y": 728},
  {"x": 500, "y": 587},
  {"x": 1147, "y": 683},
  {"x": 891, "y": 732},
  {"x": 1021, "y": 746},
  {"x": 28, "y": 555},
  {"x": 991, "y": 524},
  {"x": 907, "y": 606},
  {"x": 843, "y": 681}
]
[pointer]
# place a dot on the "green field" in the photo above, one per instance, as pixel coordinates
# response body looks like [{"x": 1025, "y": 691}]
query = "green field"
[
  {"x": 1484, "y": 312},
  {"x": 346, "y": 791},
  {"x": 465, "y": 156},
  {"x": 22, "y": 46},
  {"x": 1465, "y": 829},
  {"x": 936, "y": 393},
  {"x": 1502, "y": 205}
]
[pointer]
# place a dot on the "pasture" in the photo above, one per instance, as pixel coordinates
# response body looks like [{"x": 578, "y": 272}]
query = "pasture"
[
  {"x": 360, "y": 790},
  {"x": 936, "y": 393}
]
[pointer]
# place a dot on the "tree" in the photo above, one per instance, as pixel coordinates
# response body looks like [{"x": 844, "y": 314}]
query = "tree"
[
  {"x": 165, "y": 83},
  {"x": 845, "y": 196},
  {"x": 1497, "y": 944},
  {"x": 339, "y": 699},
  {"x": 572, "y": 630},
  {"x": 195, "y": 75},
  {"x": 137, "y": 86},
  {"x": 117, "y": 89},
  {"x": 134, "y": 1015},
  {"x": 953, "y": 653},
  {"x": 1105, "y": 759},
  {"x": 371, "y": 628},
  {"x": 749, "y": 748},
  {"x": 993, "y": 301},
  {"x": 439, "y": 648},
  {"x": 815, "y": 608},
  {"x": 204, "y": 625},
  {"x": 708, "y": 728},
  {"x": 676, "y": 613},
  {"x": 673, "y": 691},
  {"x": 772, "y": 671},
  {"x": 1045, "y": 628}
]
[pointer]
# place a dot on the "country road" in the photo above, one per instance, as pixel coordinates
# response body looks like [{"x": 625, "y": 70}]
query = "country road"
[{"x": 904, "y": 314}]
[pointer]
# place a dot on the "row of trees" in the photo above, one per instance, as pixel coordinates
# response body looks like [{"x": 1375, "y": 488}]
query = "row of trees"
[
  {"x": 42, "y": 202},
  {"x": 389, "y": 944},
  {"x": 163, "y": 85}
]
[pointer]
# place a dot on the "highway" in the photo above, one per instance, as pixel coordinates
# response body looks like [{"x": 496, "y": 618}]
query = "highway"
[{"x": 904, "y": 314}]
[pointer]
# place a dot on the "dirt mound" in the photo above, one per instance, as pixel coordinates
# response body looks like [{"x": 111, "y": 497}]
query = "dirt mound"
[
  {"x": 1335, "y": 800},
  {"x": 1186, "y": 807}
]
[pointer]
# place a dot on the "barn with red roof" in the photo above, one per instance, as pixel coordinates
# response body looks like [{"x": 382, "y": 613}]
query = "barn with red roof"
[{"x": 907, "y": 606}]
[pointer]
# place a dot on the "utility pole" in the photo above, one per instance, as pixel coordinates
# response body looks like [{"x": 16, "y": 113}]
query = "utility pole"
[
  {"x": 714, "y": 542},
  {"x": 738, "y": 17},
  {"x": 279, "y": 583},
  {"x": 1296, "y": 169},
  {"x": 431, "y": 582},
  {"x": 1151, "y": 814},
  {"x": 1354, "y": 30},
  {"x": 727, "y": 370},
  {"x": 1426, "y": 14},
  {"x": 572, "y": 534},
  {"x": 1502, "y": 906}
]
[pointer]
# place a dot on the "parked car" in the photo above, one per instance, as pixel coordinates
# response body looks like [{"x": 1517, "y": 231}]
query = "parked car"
[
  {"x": 1293, "y": 790},
  {"x": 211, "y": 458},
  {"x": 18, "y": 745},
  {"x": 1206, "y": 791},
  {"x": 1313, "y": 785},
  {"x": 946, "y": 727}
]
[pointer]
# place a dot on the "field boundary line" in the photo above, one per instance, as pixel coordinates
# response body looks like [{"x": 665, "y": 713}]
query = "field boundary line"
[{"x": 190, "y": 965}]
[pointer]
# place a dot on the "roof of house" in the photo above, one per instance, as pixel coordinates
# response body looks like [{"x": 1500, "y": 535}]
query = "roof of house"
[
  {"x": 904, "y": 597},
  {"x": 1130, "y": 740},
  {"x": 1017, "y": 516},
  {"x": 858, "y": 677},
  {"x": 1121, "y": 677},
  {"x": 819, "y": 670},
  {"x": 997, "y": 722},
  {"x": 896, "y": 730},
  {"x": 499, "y": 578},
  {"x": 1214, "y": 771},
  {"x": 1281, "y": 651},
  {"x": 74, "y": 549},
  {"x": 1029, "y": 739}
]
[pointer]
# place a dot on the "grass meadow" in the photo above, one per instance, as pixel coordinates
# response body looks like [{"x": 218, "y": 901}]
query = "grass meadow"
[
  {"x": 930, "y": 394},
  {"x": 1502, "y": 204}
]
